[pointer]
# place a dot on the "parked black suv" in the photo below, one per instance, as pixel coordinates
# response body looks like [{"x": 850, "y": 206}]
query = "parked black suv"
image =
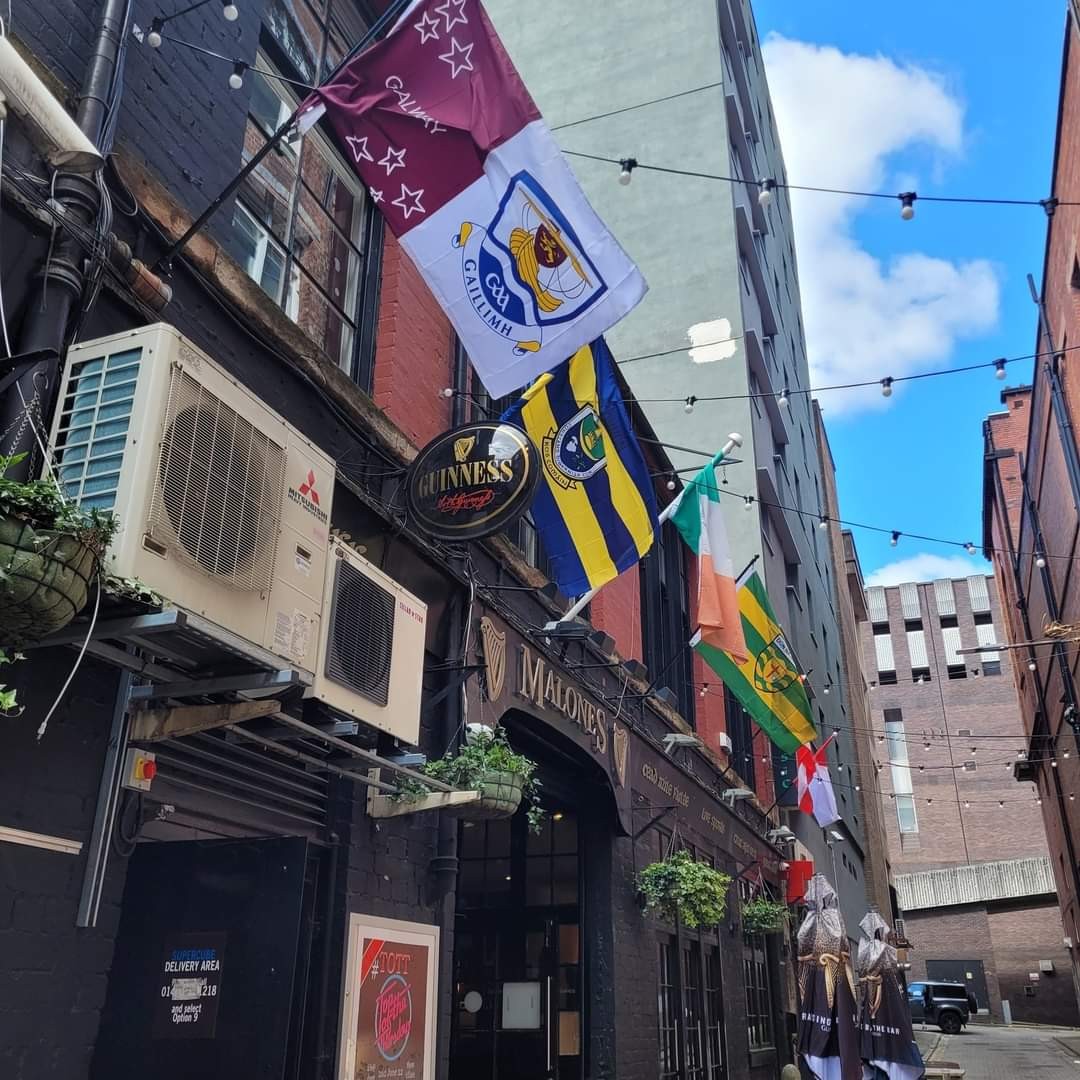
[{"x": 947, "y": 1004}]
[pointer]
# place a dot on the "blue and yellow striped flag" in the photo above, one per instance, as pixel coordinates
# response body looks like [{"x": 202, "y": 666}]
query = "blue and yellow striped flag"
[{"x": 594, "y": 509}]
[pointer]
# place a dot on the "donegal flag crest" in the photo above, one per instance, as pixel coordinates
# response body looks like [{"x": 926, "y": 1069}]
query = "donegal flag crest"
[{"x": 768, "y": 683}]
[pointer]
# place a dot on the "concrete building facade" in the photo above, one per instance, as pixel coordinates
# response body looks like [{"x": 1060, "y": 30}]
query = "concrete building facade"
[
  {"x": 965, "y": 843},
  {"x": 722, "y": 316}
]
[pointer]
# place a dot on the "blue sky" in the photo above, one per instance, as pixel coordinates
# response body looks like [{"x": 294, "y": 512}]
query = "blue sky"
[{"x": 968, "y": 100}]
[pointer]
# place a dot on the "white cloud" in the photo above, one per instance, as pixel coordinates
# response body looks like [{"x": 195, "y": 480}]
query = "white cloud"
[
  {"x": 842, "y": 117},
  {"x": 926, "y": 567}
]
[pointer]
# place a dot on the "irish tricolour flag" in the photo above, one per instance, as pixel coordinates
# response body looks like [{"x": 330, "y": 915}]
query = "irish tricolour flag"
[
  {"x": 765, "y": 678},
  {"x": 698, "y": 517}
]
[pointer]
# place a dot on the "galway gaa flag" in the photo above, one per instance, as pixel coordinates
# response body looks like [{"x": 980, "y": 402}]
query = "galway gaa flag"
[
  {"x": 816, "y": 794},
  {"x": 594, "y": 508},
  {"x": 439, "y": 126},
  {"x": 698, "y": 517},
  {"x": 768, "y": 682}
]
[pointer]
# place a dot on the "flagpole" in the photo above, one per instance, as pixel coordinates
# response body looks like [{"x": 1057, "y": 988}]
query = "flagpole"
[{"x": 734, "y": 440}]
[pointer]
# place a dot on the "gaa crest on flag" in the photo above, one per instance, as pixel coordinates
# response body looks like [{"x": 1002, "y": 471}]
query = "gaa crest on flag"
[
  {"x": 577, "y": 450},
  {"x": 774, "y": 669},
  {"x": 526, "y": 269}
]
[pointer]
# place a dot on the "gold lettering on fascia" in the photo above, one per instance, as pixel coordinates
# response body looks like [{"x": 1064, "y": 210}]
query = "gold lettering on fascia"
[
  {"x": 666, "y": 786},
  {"x": 745, "y": 847},
  {"x": 540, "y": 684}
]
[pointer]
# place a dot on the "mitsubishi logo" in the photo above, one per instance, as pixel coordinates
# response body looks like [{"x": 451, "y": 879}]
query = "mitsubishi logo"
[{"x": 307, "y": 489}]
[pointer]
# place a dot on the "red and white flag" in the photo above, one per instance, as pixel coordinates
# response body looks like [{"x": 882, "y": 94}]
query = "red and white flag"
[
  {"x": 816, "y": 794},
  {"x": 438, "y": 124}
]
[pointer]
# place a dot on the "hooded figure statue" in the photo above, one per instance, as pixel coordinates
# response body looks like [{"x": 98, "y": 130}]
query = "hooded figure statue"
[
  {"x": 885, "y": 1036},
  {"x": 828, "y": 1039}
]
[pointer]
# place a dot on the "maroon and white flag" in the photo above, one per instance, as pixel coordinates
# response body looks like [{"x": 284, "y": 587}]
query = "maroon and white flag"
[{"x": 439, "y": 126}]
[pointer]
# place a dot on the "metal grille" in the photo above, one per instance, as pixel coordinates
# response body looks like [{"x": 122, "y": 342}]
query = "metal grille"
[
  {"x": 909, "y": 600},
  {"x": 980, "y": 595},
  {"x": 916, "y": 640},
  {"x": 944, "y": 597},
  {"x": 92, "y": 433},
  {"x": 884, "y": 652},
  {"x": 950, "y": 635},
  {"x": 985, "y": 634},
  {"x": 220, "y": 484},
  {"x": 361, "y": 636},
  {"x": 875, "y": 601}
]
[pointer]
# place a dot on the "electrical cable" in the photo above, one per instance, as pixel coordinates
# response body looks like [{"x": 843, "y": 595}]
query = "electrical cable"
[{"x": 1048, "y": 205}]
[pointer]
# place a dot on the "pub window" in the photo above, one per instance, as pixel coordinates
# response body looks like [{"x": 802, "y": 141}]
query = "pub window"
[
  {"x": 756, "y": 976},
  {"x": 303, "y": 227},
  {"x": 739, "y": 730},
  {"x": 665, "y": 618},
  {"x": 669, "y": 1011}
]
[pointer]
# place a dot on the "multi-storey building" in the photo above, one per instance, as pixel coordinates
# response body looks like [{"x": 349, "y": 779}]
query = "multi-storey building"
[
  {"x": 722, "y": 318},
  {"x": 1031, "y": 494},
  {"x": 972, "y": 872},
  {"x": 231, "y": 892}
]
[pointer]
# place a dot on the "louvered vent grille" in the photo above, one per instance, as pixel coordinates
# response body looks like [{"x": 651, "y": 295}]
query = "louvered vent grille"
[
  {"x": 217, "y": 501},
  {"x": 93, "y": 427},
  {"x": 361, "y": 636}
]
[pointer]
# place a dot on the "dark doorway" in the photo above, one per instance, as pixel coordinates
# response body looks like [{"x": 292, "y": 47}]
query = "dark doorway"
[
  {"x": 968, "y": 972},
  {"x": 202, "y": 982},
  {"x": 518, "y": 1012}
]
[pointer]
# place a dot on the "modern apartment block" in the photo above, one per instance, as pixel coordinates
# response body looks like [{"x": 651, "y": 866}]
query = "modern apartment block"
[
  {"x": 972, "y": 872},
  {"x": 722, "y": 316}
]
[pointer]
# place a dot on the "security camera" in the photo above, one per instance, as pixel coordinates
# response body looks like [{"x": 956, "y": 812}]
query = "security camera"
[{"x": 48, "y": 126}]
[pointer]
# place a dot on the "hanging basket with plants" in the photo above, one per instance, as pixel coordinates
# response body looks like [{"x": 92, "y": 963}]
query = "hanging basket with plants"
[
  {"x": 680, "y": 886},
  {"x": 764, "y": 916},
  {"x": 50, "y": 550},
  {"x": 486, "y": 763}
]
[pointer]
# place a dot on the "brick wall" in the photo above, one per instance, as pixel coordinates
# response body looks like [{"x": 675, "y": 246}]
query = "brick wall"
[
  {"x": 1022, "y": 937},
  {"x": 413, "y": 359},
  {"x": 53, "y": 975}
]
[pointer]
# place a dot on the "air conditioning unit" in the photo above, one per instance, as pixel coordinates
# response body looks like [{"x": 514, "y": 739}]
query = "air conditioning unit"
[
  {"x": 371, "y": 646},
  {"x": 224, "y": 508}
]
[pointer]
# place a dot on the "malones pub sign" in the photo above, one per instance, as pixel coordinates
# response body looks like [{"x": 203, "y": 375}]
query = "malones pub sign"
[{"x": 472, "y": 481}]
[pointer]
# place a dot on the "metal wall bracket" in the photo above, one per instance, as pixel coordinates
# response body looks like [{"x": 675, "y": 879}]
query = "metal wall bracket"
[{"x": 386, "y": 806}]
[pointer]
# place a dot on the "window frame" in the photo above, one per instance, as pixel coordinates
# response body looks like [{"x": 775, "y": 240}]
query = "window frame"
[{"x": 355, "y": 315}]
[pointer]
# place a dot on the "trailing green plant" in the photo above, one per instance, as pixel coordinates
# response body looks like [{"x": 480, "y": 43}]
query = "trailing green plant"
[
  {"x": 131, "y": 589},
  {"x": 474, "y": 762},
  {"x": 41, "y": 504},
  {"x": 681, "y": 886},
  {"x": 763, "y": 916},
  {"x": 9, "y": 703}
]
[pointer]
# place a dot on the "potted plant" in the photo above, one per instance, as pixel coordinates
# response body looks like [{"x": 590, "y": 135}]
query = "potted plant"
[
  {"x": 681, "y": 886},
  {"x": 764, "y": 916},
  {"x": 487, "y": 763},
  {"x": 50, "y": 550}
]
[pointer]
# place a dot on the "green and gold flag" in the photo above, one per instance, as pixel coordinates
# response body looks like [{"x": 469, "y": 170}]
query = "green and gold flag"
[{"x": 768, "y": 683}]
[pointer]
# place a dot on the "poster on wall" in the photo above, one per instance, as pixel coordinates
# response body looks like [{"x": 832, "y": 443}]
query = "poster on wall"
[
  {"x": 190, "y": 986},
  {"x": 388, "y": 1000}
]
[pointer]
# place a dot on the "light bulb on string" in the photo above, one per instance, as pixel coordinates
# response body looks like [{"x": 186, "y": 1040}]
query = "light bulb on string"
[
  {"x": 671, "y": 485},
  {"x": 929, "y": 801},
  {"x": 690, "y": 402},
  {"x": 1053, "y": 763},
  {"x": 999, "y": 369},
  {"x": 907, "y": 204},
  {"x": 970, "y": 548},
  {"x": 1065, "y": 755},
  {"x": 153, "y": 37},
  {"x": 230, "y": 11},
  {"x": 858, "y": 787},
  {"x": 1001, "y": 803},
  {"x": 1032, "y": 665},
  {"x": 826, "y": 689},
  {"x": 973, "y": 751},
  {"x": 447, "y": 392},
  {"x": 895, "y": 539},
  {"x": 783, "y": 400},
  {"x": 704, "y": 691},
  {"x": 1040, "y": 560},
  {"x": 765, "y": 194},
  {"x": 823, "y": 523},
  {"x": 236, "y": 79},
  {"x": 1072, "y": 797},
  {"x": 967, "y": 805},
  {"x": 626, "y": 167},
  {"x": 748, "y": 502},
  {"x": 1038, "y": 801},
  {"x": 886, "y": 386}
]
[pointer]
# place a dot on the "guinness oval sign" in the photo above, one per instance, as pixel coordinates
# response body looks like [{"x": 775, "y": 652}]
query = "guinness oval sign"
[{"x": 473, "y": 480}]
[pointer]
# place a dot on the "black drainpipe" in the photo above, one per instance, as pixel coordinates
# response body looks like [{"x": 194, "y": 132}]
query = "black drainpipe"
[
  {"x": 444, "y": 867},
  {"x": 46, "y": 322}
]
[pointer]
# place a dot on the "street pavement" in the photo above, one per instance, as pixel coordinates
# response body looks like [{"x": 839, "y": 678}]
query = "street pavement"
[{"x": 1007, "y": 1053}]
